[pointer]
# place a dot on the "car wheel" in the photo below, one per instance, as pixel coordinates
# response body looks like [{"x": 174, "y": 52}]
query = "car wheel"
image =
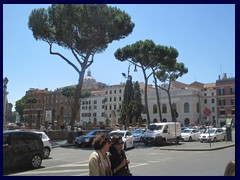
[
  {"x": 164, "y": 142},
  {"x": 215, "y": 139},
  {"x": 46, "y": 152},
  {"x": 141, "y": 139},
  {"x": 177, "y": 141},
  {"x": 36, "y": 161},
  {"x": 190, "y": 139},
  {"x": 224, "y": 139}
]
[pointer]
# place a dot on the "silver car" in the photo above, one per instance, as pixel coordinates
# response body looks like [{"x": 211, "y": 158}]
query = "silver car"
[
  {"x": 190, "y": 134},
  {"x": 213, "y": 134},
  {"x": 138, "y": 135}
]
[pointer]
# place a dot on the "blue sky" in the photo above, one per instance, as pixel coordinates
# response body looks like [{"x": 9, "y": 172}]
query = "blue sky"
[{"x": 204, "y": 36}]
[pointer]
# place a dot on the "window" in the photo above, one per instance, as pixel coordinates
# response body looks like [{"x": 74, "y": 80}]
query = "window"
[
  {"x": 186, "y": 107},
  {"x": 197, "y": 107},
  {"x": 174, "y": 106},
  {"x": 221, "y": 91},
  {"x": 221, "y": 102},
  {"x": 144, "y": 109},
  {"x": 232, "y": 90},
  {"x": 213, "y": 109},
  {"x": 164, "y": 108},
  {"x": 154, "y": 109},
  {"x": 222, "y": 112},
  {"x": 232, "y": 101},
  {"x": 205, "y": 101},
  {"x": 213, "y": 100}
]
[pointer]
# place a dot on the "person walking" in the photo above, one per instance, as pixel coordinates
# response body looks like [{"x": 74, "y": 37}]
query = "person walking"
[
  {"x": 117, "y": 156},
  {"x": 99, "y": 163}
]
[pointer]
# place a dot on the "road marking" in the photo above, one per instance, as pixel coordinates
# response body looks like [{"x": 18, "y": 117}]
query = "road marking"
[
  {"x": 138, "y": 164},
  {"x": 56, "y": 172}
]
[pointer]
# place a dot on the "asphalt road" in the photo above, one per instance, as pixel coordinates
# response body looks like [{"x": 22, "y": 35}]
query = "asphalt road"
[{"x": 144, "y": 161}]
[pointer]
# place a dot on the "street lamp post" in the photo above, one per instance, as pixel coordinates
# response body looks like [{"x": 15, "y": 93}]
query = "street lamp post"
[{"x": 5, "y": 81}]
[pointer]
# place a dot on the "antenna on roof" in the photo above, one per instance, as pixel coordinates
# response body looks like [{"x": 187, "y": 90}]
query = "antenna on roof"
[{"x": 220, "y": 69}]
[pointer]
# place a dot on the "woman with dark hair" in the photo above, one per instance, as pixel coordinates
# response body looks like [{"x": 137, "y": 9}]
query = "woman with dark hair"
[
  {"x": 117, "y": 156},
  {"x": 230, "y": 169},
  {"x": 99, "y": 163}
]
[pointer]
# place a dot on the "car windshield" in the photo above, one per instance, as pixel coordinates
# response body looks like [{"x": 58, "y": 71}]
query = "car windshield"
[
  {"x": 209, "y": 131},
  {"x": 186, "y": 131},
  {"x": 138, "y": 131},
  {"x": 155, "y": 127}
]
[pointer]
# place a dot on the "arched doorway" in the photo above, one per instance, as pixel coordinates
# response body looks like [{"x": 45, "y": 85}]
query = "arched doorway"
[{"x": 186, "y": 122}]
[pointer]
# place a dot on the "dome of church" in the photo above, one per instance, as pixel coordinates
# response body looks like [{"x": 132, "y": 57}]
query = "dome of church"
[{"x": 89, "y": 79}]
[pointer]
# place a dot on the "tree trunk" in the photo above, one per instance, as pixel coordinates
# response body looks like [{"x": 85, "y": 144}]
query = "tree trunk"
[
  {"x": 76, "y": 105},
  {"x": 158, "y": 99}
]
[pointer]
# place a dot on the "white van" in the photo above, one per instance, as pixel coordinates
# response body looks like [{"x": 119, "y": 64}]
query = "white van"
[{"x": 162, "y": 133}]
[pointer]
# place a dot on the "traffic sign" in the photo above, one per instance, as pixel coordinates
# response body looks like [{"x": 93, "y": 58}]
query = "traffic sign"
[
  {"x": 207, "y": 111},
  {"x": 48, "y": 115}
]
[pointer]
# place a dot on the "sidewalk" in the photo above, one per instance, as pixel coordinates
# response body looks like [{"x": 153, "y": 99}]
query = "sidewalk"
[
  {"x": 190, "y": 146},
  {"x": 197, "y": 146}
]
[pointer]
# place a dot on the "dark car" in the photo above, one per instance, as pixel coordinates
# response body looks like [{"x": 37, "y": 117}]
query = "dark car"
[
  {"x": 87, "y": 139},
  {"x": 22, "y": 148}
]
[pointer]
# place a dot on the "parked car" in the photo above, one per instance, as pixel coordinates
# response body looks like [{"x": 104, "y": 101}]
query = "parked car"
[
  {"x": 224, "y": 127},
  {"x": 216, "y": 134},
  {"x": 162, "y": 133},
  {"x": 138, "y": 135},
  {"x": 47, "y": 144},
  {"x": 22, "y": 148},
  {"x": 190, "y": 134},
  {"x": 127, "y": 137},
  {"x": 87, "y": 139}
]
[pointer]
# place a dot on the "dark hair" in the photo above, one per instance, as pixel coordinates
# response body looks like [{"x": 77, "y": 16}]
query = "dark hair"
[
  {"x": 230, "y": 169},
  {"x": 115, "y": 139},
  {"x": 100, "y": 140}
]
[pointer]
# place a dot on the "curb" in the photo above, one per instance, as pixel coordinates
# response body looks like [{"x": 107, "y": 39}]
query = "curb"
[{"x": 201, "y": 149}]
